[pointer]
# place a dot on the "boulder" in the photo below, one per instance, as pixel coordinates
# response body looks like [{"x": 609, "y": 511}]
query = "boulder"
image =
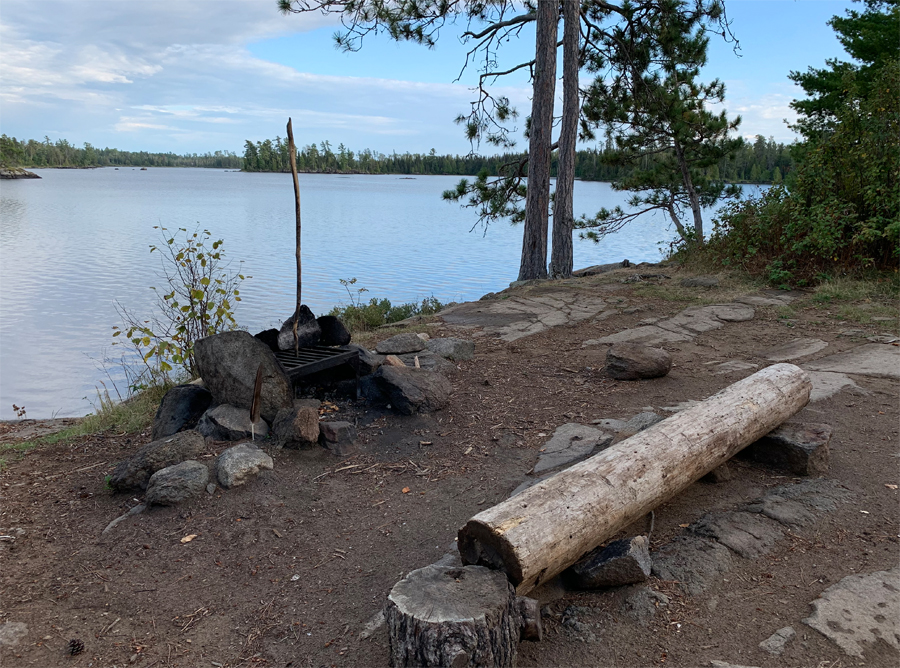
[
  {"x": 229, "y": 423},
  {"x": 338, "y": 437},
  {"x": 799, "y": 448},
  {"x": 368, "y": 361},
  {"x": 634, "y": 361},
  {"x": 180, "y": 409},
  {"x": 408, "y": 342},
  {"x": 239, "y": 463},
  {"x": 228, "y": 362},
  {"x": 297, "y": 426},
  {"x": 411, "y": 390},
  {"x": 451, "y": 348},
  {"x": 134, "y": 473},
  {"x": 427, "y": 360},
  {"x": 174, "y": 484},
  {"x": 269, "y": 337},
  {"x": 308, "y": 331},
  {"x": 622, "y": 562},
  {"x": 333, "y": 331}
]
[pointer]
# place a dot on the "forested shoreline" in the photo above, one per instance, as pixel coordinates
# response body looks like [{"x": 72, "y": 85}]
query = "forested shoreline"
[{"x": 763, "y": 161}]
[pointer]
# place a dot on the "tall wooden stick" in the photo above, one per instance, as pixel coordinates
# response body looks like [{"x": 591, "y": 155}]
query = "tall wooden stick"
[{"x": 293, "y": 154}]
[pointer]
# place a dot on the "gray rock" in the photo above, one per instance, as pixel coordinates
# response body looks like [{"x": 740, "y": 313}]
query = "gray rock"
[
  {"x": 239, "y": 463},
  {"x": 211, "y": 488},
  {"x": 693, "y": 561},
  {"x": 801, "y": 504},
  {"x": 229, "y": 423},
  {"x": 860, "y": 609},
  {"x": 411, "y": 390},
  {"x": 180, "y": 409},
  {"x": 775, "y": 643},
  {"x": 400, "y": 344},
  {"x": 622, "y": 562},
  {"x": 747, "y": 534},
  {"x": 174, "y": 484},
  {"x": 826, "y": 384},
  {"x": 794, "y": 350},
  {"x": 570, "y": 443},
  {"x": 134, "y": 473},
  {"x": 333, "y": 331},
  {"x": 642, "y": 421},
  {"x": 610, "y": 424},
  {"x": 12, "y": 632},
  {"x": 602, "y": 268},
  {"x": 799, "y": 448},
  {"x": 297, "y": 426},
  {"x": 734, "y": 366},
  {"x": 308, "y": 331},
  {"x": 449, "y": 560},
  {"x": 368, "y": 361},
  {"x": 700, "y": 282},
  {"x": 338, "y": 437},
  {"x": 455, "y": 349},
  {"x": 228, "y": 362},
  {"x": 634, "y": 361},
  {"x": 427, "y": 360},
  {"x": 718, "y": 475}
]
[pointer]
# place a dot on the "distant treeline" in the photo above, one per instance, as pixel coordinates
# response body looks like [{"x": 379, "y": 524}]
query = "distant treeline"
[
  {"x": 762, "y": 161},
  {"x": 31, "y": 153}
]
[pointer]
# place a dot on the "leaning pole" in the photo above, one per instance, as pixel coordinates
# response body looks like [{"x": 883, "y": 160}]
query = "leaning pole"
[{"x": 540, "y": 532}]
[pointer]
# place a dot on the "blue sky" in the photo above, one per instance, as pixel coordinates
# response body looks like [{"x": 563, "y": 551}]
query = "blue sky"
[{"x": 202, "y": 75}]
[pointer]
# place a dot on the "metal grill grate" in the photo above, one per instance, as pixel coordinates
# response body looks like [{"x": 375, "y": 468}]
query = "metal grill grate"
[{"x": 316, "y": 358}]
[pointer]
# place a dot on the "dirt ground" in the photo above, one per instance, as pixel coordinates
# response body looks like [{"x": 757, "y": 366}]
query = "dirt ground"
[{"x": 288, "y": 570}]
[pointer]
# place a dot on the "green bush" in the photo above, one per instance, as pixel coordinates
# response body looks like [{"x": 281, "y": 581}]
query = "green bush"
[{"x": 360, "y": 316}]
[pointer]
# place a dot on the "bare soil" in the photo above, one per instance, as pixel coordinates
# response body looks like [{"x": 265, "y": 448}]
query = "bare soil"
[{"x": 288, "y": 569}]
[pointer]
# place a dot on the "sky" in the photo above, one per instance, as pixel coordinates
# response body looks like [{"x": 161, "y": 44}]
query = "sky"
[{"x": 191, "y": 76}]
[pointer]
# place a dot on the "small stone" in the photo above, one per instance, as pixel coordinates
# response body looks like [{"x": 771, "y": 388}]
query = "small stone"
[
  {"x": 211, "y": 488},
  {"x": 622, "y": 562},
  {"x": 634, "y": 361},
  {"x": 393, "y": 360},
  {"x": 775, "y": 643},
  {"x": 718, "y": 475},
  {"x": 408, "y": 342},
  {"x": 338, "y": 437},
  {"x": 451, "y": 348},
  {"x": 297, "y": 426},
  {"x": 799, "y": 448},
  {"x": 134, "y": 473},
  {"x": 175, "y": 484},
  {"x": 11, "y": 633},
  {"x": 229, "y": 423},
  {"x": 700, "y": 282},
  {"x": 239, "y": 463}
]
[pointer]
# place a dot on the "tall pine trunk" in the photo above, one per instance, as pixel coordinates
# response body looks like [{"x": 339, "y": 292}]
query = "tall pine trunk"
[
  {"x": 537, "y": 202},
  {"x": 691, "y": 192},
  {"x": 563, "y": 211}
]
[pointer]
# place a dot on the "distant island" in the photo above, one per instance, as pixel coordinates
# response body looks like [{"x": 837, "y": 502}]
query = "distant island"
[
  {"x": 762, "y": 161},
  {"x": 16, "y": 173}
]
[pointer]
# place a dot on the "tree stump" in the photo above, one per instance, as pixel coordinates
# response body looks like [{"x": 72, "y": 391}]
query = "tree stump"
[{"x": 457, "y": 617}]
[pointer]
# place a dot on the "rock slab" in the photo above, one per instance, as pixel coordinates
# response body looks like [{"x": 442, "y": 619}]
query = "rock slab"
[
  {"x": 800, "y": 448},
  {"x": 134, "y": 473},
  {"x": 229, "y": 423},
  {"x": 747, "y": 534},
  {"x": 622, "y": 562},
  {"x": 458, "y": 350},
  {"x": 570, "y": 443},
  {"x": 775, "y": 643},
  {"x": 693, "y": 561},
  {"x": 175, "y": 484},
  {"x": 860, "y": 609},
  {"x": 228, "y": 362},
  {"x": 180, "y": 409},
  {"x": 238, "y": 464},
  {"x": 635, "y": 361}
]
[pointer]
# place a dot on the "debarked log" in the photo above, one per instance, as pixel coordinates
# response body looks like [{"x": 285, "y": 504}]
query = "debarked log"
[
  {"x": 458, "y": 617},
  {"x": 542, "y": 531}
]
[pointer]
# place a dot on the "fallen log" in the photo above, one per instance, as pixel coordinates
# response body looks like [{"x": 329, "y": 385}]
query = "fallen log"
[
  {"x": 458, "y": 616},
  {"x": 542, "y": 531}
]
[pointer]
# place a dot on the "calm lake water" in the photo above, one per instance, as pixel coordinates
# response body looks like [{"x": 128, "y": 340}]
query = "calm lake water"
[{"x": 77, "y": 241}]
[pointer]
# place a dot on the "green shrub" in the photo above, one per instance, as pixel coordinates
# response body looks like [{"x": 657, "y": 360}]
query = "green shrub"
[{"x": 360, "y": 316}]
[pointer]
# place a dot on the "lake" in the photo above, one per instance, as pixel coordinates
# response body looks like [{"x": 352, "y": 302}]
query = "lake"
[{"x": 77, "y": 241}]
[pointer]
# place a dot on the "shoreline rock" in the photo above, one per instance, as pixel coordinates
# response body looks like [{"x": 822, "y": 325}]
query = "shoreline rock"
[{"x": 16, "y": 173}]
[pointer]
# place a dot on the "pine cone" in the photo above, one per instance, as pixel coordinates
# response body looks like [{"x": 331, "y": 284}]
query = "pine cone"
[{"x": 76, "y": 646}]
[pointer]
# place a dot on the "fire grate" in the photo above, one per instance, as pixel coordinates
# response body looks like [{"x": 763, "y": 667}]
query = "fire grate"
[{"x": 316, "y": 358}]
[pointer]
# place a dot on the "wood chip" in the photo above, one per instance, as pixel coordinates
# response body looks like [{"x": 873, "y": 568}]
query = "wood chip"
[
  {"x": 277, "y": 533},
  {"x": 405, "y": 490},
  {"x": 189, "y": 538}
]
